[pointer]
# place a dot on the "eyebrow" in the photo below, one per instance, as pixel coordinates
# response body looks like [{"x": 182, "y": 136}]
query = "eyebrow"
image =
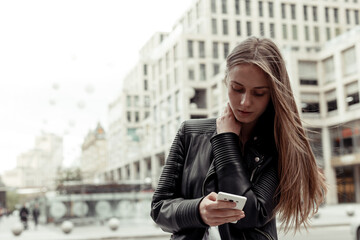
[{"x": 259, "y": 87}]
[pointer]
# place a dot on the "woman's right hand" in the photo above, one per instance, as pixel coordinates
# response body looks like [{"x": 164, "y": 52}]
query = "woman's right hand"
[{"x": 214, "y": 212}]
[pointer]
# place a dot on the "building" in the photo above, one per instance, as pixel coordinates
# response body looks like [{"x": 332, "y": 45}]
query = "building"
[
  {"x": 184, "y": 72},
  {"x": 37, "y": 167},
  {"x": 93, "y": 155}
]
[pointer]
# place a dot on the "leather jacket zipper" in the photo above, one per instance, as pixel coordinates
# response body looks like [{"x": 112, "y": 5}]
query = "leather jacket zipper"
[
  {"x": 253, "y": 172},
  {"x": 265, "y": 234}
]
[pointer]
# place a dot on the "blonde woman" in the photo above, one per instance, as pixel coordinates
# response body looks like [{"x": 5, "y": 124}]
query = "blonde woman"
[{"x": 257, "y": 148}]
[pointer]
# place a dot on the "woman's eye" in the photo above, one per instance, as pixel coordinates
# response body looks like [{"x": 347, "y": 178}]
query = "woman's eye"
[
  {"x": 259, "y": 94},
  {"x": 237, "y": 89}
]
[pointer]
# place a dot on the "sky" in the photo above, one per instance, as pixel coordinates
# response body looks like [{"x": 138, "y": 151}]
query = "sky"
[{"x": 62, "y": 62}]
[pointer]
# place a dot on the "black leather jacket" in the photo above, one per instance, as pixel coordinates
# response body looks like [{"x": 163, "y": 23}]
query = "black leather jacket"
[{"x": 201, "y": 161}]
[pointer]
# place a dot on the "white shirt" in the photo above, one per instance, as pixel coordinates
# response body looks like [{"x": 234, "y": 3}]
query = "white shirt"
[{"x": 212, "y": 233}]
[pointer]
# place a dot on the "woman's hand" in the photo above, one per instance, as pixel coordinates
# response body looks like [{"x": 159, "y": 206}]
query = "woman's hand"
[
  {"x": 215, "y": 213},
  {"x": 227, "y": 122}
]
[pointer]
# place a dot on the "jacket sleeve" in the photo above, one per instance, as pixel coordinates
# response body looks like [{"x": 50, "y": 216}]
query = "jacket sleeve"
[
  {"x": 234, "y": 178},
  {"x": 169, "y": 209}
]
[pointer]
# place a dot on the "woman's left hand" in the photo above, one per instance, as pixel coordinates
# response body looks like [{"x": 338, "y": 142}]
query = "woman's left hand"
[{"x": 227, "y": 122}]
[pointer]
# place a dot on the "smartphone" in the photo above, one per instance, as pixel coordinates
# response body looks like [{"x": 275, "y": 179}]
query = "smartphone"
[{"x": 239, "y": 200}]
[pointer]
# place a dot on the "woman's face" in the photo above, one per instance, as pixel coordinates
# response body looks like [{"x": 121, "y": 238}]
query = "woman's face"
[{"x": 248, "y": 91}]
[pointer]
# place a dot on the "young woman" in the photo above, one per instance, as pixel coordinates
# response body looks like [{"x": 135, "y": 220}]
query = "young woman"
[{"x": 257, "y": 148}]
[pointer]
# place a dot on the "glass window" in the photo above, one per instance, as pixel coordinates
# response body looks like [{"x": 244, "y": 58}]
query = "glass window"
[
  {"x": 316, "y": 34},
  {"x": 260, "y": 4},
  {"x": 352, "y": 93},
  {"x": 271, "y": 9},
  {"x": 315, "y": 140},
  {"x": 147, "y": 101},
  {"x": 131, "y": 133},
  {"x": 307, "y": 33},
  {"x": 214, "y": 26},
  {"x": 327, "y": 14},
  {"x": 272, "y": 30},
  {"x": 190, "y": 49},
  {"x": 315, "y": 15},
  {"x": 128, "y": 101},
  {"x": 305, "y": 13},
  {"x": 328, "y": 33},
  {"x": 356, "y": 16},
  {"x": 191, "y": 74},
  {"x": 146, "y": 86},
  {"x": 175, "y": 52},
  {"x": 237, "y": 7},
  {"x": 308, "y": 73},
  {"x": 169, "y": 106},
  {"x": 215, "y": 50},
  {"x": 226, "y": 50},
  {"x": 347, "y": 12},
  {"x": 262, "y": 29},
  {"x": 238, "y": 28},
  {"x": 349, "y": 61},
  {"x": 202, "y": 49},
  {"x": 331, "y": 100},
  {"x": 310, "y": 103},
  {"x": 136, "y": 101},
  {"x": 294, "y": 32},
  {"x": 214, "y": 95},
  {"x": 284, "y": 31},
  {"x": 223, "y": 6},
  {"x": 345, "y": 184},
  {"x": 216, "y": 69},
  {"x": 145, "y": 69},
  {"x": 177, "y": 101},
  {"x": 137, "y": 117},
  {"x": 336, "y": 15},
  {"x": 225, "y": 27},
  {"x": 283, "y": 10},
  {"x": 202, "y": 72},
  {"x": 128, "y": 116},
  {"x": 293, "y": 11},
  {"x": 248, "y": 28},
  {"x": 329, "y": 69},
  {"x": 247, "y": 7},
  {"x": 213, "y": 6}
]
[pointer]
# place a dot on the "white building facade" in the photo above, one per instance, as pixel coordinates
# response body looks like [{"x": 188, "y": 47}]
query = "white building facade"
[{"x": 185, "y": 69}]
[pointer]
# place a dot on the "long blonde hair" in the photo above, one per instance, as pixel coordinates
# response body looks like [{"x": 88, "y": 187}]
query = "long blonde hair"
[{"x": 302, "y": 186}]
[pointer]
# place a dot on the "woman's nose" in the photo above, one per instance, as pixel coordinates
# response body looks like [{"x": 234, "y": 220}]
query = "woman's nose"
[{"x": 245, "y": 99}]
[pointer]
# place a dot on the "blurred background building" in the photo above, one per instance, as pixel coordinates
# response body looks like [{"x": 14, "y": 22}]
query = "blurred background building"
[{"x": 179, "y": 76}]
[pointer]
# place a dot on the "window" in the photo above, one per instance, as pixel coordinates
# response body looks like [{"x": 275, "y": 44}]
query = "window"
[
  {"x": 352, "y": 93},
  {"x": 272, "y": 30},
  {"x": 356, "y": 16},
  {"x": 147, "y": 101},
  {"x": 271, "y": 9},
  {"x": 223, "y": 6},
  {"x": 190, "y": 49},
  {"x": 308, "y": 73},
  {"x": 169, "y": 106},
  {"x": 237, "y": 7},
  {"x": 248, "y": 28},
  {"x": 305, "y": 13},
  {"x": 345, "y": 139},
  {"x": 315, "y": 15},
  {"x": 283, "y": 10},
  {"x": 310, "y": 103},
  {"x": 226, "y": 50},
  {"x": 294, "y": 32},
  {"x": 202, "y": 72},
  {"x": 327, "y": 14},
  {"x": 216, "y": 69},
  {"x": 293, "y": 11},
  {"x": 145, "y": 69},
  {"x": 202, "y": 49},
  {"x": 238, "y": 28},
  {"x": 336, "y": 15},
  {"x": 146, "y": 85},
  {"x": 137, "y": 117},
  {"x": 328, "y": 33},
  {"x": 347, "y": 12},
  {"x": 128, "y": 116},
  {"x": 262, "y": 29},
  {"x": 331, "y": 100},
  {"x": 136, "y": 101},
  {"x": 213, "y": 6},
  {"x": 284, "y": 31},
  {"x": 247, "y": 7},
  {"x": 177, "y": 102},
  {"x": 213, "y": 26},
  {"x": 316, "y": 34},
  {"x": 260, "y": 9},
  {"x": 349, "y": 61},
  {"x": 307, "y": 33},
  {"x": 225, "y": 27},
  {"x": 329, "y": 69},
  {"x": 215, "y": 50},
  {"x": 316, "y": 144},
  {"x": 175, "y": 52},
  {"x": 128, "y": 101},
  {"x": 191, "y": 74}
]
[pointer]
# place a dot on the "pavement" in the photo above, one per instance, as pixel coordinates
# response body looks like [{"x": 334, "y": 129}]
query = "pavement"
[{"x": 335, "y": 215}]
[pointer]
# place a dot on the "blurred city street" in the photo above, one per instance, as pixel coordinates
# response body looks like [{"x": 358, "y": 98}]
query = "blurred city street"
[{"x": 332, "y": 223}]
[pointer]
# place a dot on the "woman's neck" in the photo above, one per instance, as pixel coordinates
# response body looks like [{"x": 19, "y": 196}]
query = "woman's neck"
[{"x": 246, "y": 131}]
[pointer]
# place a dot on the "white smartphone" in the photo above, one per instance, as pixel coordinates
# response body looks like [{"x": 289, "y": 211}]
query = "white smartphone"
[{"x": 239, "y": 200}]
